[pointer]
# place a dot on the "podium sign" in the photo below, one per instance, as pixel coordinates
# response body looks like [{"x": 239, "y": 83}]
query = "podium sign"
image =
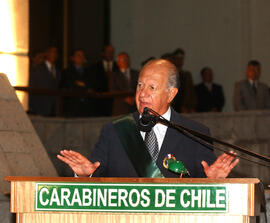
[
  {"x": 133, "y": 200},
  {"x": 131, "y": 197}
]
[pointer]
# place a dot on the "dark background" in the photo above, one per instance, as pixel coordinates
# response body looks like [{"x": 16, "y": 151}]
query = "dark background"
[{"x": 88, "y": 26}]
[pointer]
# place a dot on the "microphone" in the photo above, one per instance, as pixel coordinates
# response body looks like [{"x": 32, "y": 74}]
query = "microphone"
[{"x": 147, "y": 121}]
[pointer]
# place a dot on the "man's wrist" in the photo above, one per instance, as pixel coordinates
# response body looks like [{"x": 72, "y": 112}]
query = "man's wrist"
[{"x": 75, "y": 175}]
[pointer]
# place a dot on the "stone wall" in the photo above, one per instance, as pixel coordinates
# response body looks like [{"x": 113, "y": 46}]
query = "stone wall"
[
  {"x": 21, "y": 151},
  {"x": 58, "y": 133},
  {"x": 248, "y": 129}
]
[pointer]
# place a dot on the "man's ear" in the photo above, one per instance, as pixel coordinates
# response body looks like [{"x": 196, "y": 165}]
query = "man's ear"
[{"x": 172, "y": 92}]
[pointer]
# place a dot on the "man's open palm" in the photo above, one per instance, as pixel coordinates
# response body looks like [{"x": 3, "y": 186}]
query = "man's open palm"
[{"x": 78, "y": 163}]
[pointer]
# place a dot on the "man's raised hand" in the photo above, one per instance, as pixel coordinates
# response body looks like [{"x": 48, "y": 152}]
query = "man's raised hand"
[
  {"x": 221, "y": 167},
  {"x": 78, "y": 163}
]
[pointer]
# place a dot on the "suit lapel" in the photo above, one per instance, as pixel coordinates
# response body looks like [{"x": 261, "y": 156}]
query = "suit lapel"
[
  {"x": 250, "y": 90},
  {"x": 173, "y": 143},
  {"x": 170, "y": 143}
]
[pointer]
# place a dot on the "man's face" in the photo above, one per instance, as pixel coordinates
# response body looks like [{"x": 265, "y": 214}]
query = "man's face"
[
  {"x": 253, "y": 72},
  {"x": 207, "y": 76},
  {"x": 51, "y": 55},
  {"x": 38, "y": 58},
  {"x": 152, "y": 89},
  {"x": 78, "y": 58},
  {"x": 123, "y": 61},
  {"x": 108, "y": 54}
]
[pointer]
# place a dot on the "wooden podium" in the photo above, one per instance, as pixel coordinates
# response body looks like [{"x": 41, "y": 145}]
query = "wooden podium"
[{"x": 237, "y": 200}]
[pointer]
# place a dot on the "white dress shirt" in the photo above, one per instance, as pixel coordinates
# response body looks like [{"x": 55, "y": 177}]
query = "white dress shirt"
[
  {"x": 208, "y": 85},
  {"x": 252, "y": 81},
  {"x": 51, "y": 68},
  {"x": 108, "y": 66},
  {"x": 160, "y": 129}
]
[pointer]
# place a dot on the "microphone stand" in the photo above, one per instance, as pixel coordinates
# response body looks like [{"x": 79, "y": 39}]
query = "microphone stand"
[
  {"x": 208, "y": 140},
  {"x": 205, "y": 139}
]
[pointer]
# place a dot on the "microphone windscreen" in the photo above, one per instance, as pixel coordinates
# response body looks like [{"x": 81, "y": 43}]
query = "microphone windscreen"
[{"x": 147, "y": 121}]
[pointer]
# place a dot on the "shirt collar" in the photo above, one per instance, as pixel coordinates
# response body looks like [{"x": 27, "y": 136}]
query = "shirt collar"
[
  {"x": 252, "y": 81},
  {"x": 80, "y": 69},
  {"x": 124, "y": 71},
  {"x": 49, "y": 65},
  {"x": 167, "y": 114},
  {"x": 161, "y": 127},
  {"x": 208, "y": 85}
]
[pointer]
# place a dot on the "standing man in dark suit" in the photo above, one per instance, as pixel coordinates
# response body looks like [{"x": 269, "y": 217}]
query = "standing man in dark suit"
[
  {"x": 46, "y": 76},
  {"x": 185, "y": 101},
  {"x": 210, "y": 97},
  {"x": 75, "y": 78},
  {"x": 124, "y": 80},
  {"x": 251, "y": 94},
  {"x": 102, "y": 79},
  {"x": 124, "y": 151}
]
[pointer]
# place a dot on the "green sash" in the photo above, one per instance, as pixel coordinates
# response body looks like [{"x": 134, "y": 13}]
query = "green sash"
[{"x": 134, "y": 146}]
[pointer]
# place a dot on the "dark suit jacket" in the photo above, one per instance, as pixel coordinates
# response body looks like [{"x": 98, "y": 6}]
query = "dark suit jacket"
[
  {"x": 99, "y": 77},
  {"x": 99, "y": 82},
  {"x": 121, "y": 83},
  {"x": 207, "y": 100},
  {"x": 76, "y": 107},
  {"x": 41, "y": 77},
  {"x": 246, "y": 99},
  {"x": 186, "y": 95},
  {"x": 115, "y": 162}
]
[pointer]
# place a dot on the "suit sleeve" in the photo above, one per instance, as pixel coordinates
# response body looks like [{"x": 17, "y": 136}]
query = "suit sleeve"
[
  {"x": 101, "y": 151},
  {"x": 267, "y": 98},
  {"x": 190, "y": 99},
  {"x": 204, "y": 153},
  {"x": 238, "y": 104},
  {"x": 221, "y": 98}
]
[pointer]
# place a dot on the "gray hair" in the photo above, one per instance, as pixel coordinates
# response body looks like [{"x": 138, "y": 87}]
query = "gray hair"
[
  {"x": 173, "y": 79},
  {"x": 173, "y": 74}
]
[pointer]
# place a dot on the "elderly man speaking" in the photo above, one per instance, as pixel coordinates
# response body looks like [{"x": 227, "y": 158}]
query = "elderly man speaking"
[{"x": 124, "y": 151}]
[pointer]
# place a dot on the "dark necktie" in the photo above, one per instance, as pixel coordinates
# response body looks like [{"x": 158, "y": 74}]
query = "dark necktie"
[
  {"x": 254, "y": 88},
  {"x": 152, "y": 144}
]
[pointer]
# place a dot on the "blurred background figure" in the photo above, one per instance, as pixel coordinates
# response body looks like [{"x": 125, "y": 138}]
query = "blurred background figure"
[
  {"x": 251, "y": 94},
  {"x": 147, "y": 60},
  {"x": 76, "y": 78},
  {"x": 168, "y": 56},
  {"x": 36, "y": 58},
  {"x": 125, "y": 79},
  {"x": 45, "y": 75},
  {"x": 185, "y": 100},
  {"x": 210, "y": 97},
  {"x": 102, "y": 79}
]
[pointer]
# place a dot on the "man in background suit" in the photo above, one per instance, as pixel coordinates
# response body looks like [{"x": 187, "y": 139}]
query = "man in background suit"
[
  {"x": 210, "y": 96},
  {"x": 75, "y": 78},
  {"x": 115, "y": 153},
  {"x": 45, "y": 75},
  {"x": 251, "y": 94},
  {"x": 124, "y": 80},
  {"x": 102, "y": 79},
  {"x": 185, "y": 101}
]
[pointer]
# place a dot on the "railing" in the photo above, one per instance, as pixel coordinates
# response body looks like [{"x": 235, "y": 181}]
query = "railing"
[{"x": 61, "y": 93}]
